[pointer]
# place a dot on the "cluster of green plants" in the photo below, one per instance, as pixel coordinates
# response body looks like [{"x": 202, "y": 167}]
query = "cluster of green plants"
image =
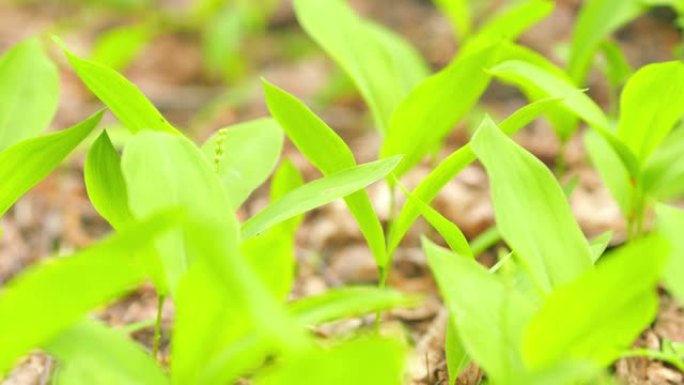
[{"x": 556, "y": 308}]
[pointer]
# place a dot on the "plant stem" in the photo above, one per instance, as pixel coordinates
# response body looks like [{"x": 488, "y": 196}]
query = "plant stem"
[
  {"x": 485, "y": 240},
  {"x": 157, "y": 327}
]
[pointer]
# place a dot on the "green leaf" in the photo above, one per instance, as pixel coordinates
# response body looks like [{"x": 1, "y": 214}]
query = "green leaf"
[
  {"x": 118, "y": 47},
  {"x": 532, "y": 213},
  {"x": 595, "y": 22},
  {"x": 447, "y": 169},
  {"x": 29, "y": 90},
  {"x": 651, "y": 103},
  {"x": 459, "y": 14},
  {"x": 612, "y": 170},
  {"x": 383, "y": 66},
  {"x": 48, "y": 298},
  {"x": 616, "y": 66},
  {"x": 24, "y": 164},
  {"x": 663, "y": 175},
  {"x": 328, "y": 152},
  {"x": 438, "y": 102},
  {"x": 610, "y": 307},
  {"x": 91, "y": 353},
  {"x": 515, "y": 20},
  {"x": 448, "y": 230},
  {"x": 105, "y": 183},
  {"x": 271, "y": 255},
  {"x": 235, "y": 306},
  {"x": 244, "y": 155},
  {"x": 163, "y": 170},
  {"x": 347, "y": 302},
  {"x": 121, "y": 96},
  {"x": 318, "y": 193},
  {"x": 671, "y": 222},
  {"x": 542, "y": 82},
  {"x": 363, "y": 362},
  {"x": 491, "y": 321}
]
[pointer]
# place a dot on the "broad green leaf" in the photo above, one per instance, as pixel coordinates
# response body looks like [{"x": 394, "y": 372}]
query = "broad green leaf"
[
  {"x": 448, "y": 230},
  {"x": 328, "y": 152},
  {"x": 118, "y": 47},
  {"x": 612, "y": 170},
  {"x": 251, "y": 350},
  {"x": 271, "y": 255},
  {"x": 25, "y": 163},
  {"x": 244, "y": 155},
  {"x": 121, "y": 96},
  {"x": 29, "y": 92},
  {"x": 318, "y": 193},
  {"x": 595, "y": 22},
  {"x": 437, "y": 103},
  {"x": 383, "y": 66},
  {"x": 447, "y": 169},
  {"x": 664, "y": 171},
  {"x": 651, "y": 103},
  {"x": 235, "y": 304},
  {"x": 105, "y": 183},
  {"x": 515, "y": 20},
  {"x": 163, "y": 170},
  {"x": 459, "y": 14},
  {"x": 532, "y": 213},
  {"x": 362, "y": 362},
  {"x": 610, "y": 307},
  {"x": 90, "y": 353},
  {"x": 490, "y": 320},
  {"x": 537, "y": 82},
  {"x": 48, "y": 298},
  {"x": 347, "y": 302},
  {"x": 671, "y": 222},
  {"x": 541, "y": 82}
]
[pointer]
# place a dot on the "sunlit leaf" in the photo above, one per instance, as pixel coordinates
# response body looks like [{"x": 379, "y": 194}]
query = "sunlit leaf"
[
  {"x": 448, "y": 230},
  {"x": 92, "y": 353},
  {"x": 29, "y": 92},
  {"x": 532, "y": 213},
  {"x": 383, "y": 66},
  {"x": 651, "y": 103},
  {"x": 328, "y": 152},
  {"x": 596, "y": 21},
  {"x": 438, "y": 102},
  {"x": 105, "y": 182},
  {"x": 663, "y": 176},
  {"x": 25, "y": 163},
  {"x": 121, "y": 96},
  {"x": 318, "y": 193},
  {"x": 63, "y": 290},
  {"x": 671, "y": 222},
  {"x": 490, "y": 321},
  {"x": 613, "y": 172},
  {"x": 271, "y": 255},
  {"x": 362, "y": 362},
  {"x": 162, "y": 170},
  {"x": 244, "y": 155},
  {"x": 610, "y": 306},
  {"x": 118, "y": 47},
  {"x": 346, "y": 302},
  {"x": 448, "y": 168}
]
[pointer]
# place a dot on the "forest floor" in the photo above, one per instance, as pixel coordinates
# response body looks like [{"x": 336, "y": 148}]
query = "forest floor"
[{"x": 56, "y": 217}]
